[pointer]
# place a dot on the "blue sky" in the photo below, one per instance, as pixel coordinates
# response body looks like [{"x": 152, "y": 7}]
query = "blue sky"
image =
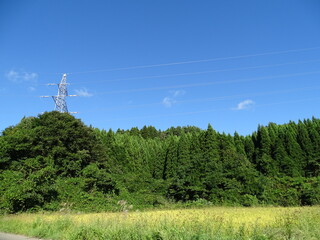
[{"x": 234, "y": 64}]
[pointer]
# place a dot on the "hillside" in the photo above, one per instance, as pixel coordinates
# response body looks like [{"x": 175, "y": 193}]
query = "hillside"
[{"x": 54, "y": 162}]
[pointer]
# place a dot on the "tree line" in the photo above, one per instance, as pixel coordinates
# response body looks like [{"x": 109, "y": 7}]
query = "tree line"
[{"x": 54, "y": 161}]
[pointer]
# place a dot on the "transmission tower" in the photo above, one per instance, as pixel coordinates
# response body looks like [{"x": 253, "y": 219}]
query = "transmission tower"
[{"x": 60, "y": 99}]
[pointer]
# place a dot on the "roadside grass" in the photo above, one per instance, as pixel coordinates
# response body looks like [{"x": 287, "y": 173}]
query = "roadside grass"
[{"x": 257, "y": 223}]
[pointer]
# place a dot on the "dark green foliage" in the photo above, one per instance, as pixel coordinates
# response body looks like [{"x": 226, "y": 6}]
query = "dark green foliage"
[
  {"x": 149, "y": 132},
  {"x": 39, "y": 151},
  {"x": 55, "y": 162}
]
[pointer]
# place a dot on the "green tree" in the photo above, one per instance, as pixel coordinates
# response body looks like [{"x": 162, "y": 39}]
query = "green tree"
[
  {"x": 264, "y": 161},
  {"x": 292, "y": 164},
  {"x": 40, "y": 149}
]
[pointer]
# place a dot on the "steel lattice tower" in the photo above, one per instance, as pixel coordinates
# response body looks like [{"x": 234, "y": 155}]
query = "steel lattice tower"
[{"x": 60, "y": 99}]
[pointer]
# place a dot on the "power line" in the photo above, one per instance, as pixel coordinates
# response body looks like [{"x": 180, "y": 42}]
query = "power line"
[
  {"x": 189, "y": 62},
  {"x": 201, "y": 72},
  {"x": 208, "y": 83},
  {"x": 221, "y": 98},
  {"x": 210, "y": 110},
  {"x": 197, "y": 61},
  {"x": 194, "y": 84}
]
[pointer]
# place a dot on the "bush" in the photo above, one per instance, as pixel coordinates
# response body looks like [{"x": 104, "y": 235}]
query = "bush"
[{"x": 249, "y": 200}]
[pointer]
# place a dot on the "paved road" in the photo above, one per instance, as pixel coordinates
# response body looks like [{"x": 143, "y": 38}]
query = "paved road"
[{"x": 7, "y": 236}]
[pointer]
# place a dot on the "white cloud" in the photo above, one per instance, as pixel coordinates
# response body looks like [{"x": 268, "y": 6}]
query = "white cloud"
[
  {"x": 22, "y": 76},
  {"x": 83, "y": 92},
  {"x": 178, "y": 93},
  {"x": 168, "y": 101},
  {"x": 12, "y": 76},
  {"x": 29, "y": 76},
  {"x": 246, "y": 104}
]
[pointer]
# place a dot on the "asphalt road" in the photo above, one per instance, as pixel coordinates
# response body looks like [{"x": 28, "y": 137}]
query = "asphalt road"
[{"x": 7, "y": 236}]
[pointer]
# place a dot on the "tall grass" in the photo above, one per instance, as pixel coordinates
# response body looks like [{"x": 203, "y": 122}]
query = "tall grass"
[{"x": 209, "y": 223}]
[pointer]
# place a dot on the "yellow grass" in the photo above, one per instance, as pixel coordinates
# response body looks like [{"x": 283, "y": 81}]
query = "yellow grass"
[
  {"x": 208, "y": 221},
  {"x": 236, "y": 215}
]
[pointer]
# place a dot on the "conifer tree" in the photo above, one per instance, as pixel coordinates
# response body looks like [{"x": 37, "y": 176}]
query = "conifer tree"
[
  {"x": 313, "y": 167},
  {"x": 292, "y": 165},
  {"x": 211, "y": 158},
  {"x": 305, "y": 143},
  {"x": 249, "y": 148},
  {"x": 264, "y": 161}
]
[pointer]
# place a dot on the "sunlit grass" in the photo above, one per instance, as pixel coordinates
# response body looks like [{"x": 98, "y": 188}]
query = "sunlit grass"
[{"x": 203, "y": 223}]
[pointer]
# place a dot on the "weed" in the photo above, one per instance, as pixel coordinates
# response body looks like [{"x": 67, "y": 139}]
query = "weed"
[{"x": 217, "y": 223}]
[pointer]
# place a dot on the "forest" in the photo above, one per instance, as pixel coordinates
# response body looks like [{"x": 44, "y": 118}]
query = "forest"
[{"x": 54, "y": 162}]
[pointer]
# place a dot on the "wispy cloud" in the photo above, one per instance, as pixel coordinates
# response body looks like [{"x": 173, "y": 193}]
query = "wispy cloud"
[
  {"x": 178, "y": 93},
  {"x": 83, "y": 92},
  {"x": 246, "y": 104},
  {"x": 170, "y": 100},
  {"x": 31, "y": 89},
  {"x": 21, "y": 76}
]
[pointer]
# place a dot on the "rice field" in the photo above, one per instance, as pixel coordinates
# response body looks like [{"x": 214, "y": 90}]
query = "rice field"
[{"x": 204, "y": 223}]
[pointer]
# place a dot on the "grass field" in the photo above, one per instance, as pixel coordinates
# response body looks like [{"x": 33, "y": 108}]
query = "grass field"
[{"x": 204, "y": 223}]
